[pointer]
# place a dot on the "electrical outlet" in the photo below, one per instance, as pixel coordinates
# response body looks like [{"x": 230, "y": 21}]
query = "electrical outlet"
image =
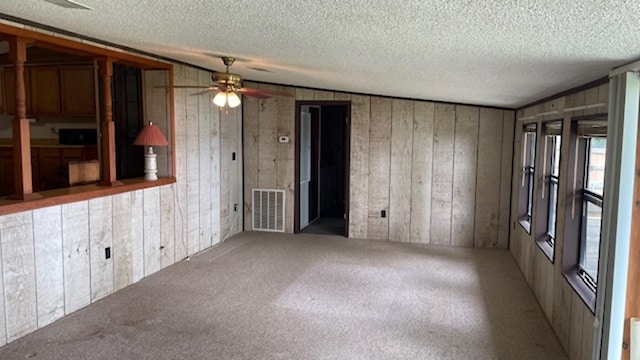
[
  {"x": 383, "y": 213},
  {"x": 233, "y": 156},
  {"x": 235, "y": 207},
  {"x": 107, "y": 252}
]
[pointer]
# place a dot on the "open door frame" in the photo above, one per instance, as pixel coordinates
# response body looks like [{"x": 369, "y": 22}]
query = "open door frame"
[{"x": 347, "y": 161}]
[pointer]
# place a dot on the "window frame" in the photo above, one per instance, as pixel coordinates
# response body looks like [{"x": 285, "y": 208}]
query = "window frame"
[
  {"x": 574, "y": 210},
  {"x": 24, "y": 198},
  {"x": 543, "y": 238},
  {"x": 528, "y": 184}
]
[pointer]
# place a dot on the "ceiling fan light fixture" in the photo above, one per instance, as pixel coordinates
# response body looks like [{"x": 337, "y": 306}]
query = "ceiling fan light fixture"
[
  {"x": 233, "y": 99},
  {"x": 226, "y": 98},
  {"x": 220, "y": 99}
]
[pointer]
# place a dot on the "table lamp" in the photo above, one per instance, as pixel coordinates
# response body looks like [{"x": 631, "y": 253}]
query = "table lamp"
[{"x": 150, "y": 136}]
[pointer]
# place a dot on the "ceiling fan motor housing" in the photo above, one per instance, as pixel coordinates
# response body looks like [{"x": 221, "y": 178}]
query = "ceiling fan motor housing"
[{"x": 228, "y": 79}]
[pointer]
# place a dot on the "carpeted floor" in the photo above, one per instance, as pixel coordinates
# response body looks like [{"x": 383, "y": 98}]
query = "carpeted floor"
[{"x": 273, "y": 296}]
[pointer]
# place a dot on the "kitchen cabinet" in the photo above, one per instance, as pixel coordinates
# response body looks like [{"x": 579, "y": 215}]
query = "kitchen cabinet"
[
  {"x": 6, "y": 171},
  {"x": 54, "y": 90},
  {"x": 45, "y": 90},
  {"x": 77, "y": 90}
]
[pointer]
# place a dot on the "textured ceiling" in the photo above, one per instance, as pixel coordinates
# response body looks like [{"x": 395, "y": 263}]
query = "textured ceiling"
[{"x": 493, "y": 52}]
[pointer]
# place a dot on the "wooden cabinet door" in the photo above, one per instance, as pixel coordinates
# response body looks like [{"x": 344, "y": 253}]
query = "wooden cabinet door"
[
  {"x": 10, "y": 90},
  {"x": 45, "y": 90},
  {"x": 6, "y": 171},
  {"x": 50, "y": 169},
  {"x": 78, "y": 92}
]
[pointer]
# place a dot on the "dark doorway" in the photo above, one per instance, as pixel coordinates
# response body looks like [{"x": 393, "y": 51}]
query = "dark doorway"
[
  {"x": 128, "y": 120},
  {"x": 322, "y": 162}
]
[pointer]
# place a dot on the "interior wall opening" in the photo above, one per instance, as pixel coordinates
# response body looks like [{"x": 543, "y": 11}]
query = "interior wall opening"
[{"x": 322, "y": 164}]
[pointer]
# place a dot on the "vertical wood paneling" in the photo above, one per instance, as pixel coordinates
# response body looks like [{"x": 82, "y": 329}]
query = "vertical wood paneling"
[
  {"x": 379, "y": 168},
  {"x": 19, "y": 274},
  {"x": 151, "y": 225},
  {"x": 286, "y": 154},
  {"x": 204, "y": 140},
  {"x": 226, "y": 133},
  {"x": 321, "y": 95},
  {"x": 591, "y": 97},
  {"x": 251, "y": 136},
  {"x": 215, "y": 174},
  {"x": 571, "y": 319},
  {"x": 464, "y": 175},
  {"x": 123, "y": 240},
  {"x": 47, "y": 234},
  {"x": 359, "y": 166},
  {"x": 441, "y": 187},
  {"x": 193, "y": 164},
  {"x": 267, "y": 142},
  {"x": 508, "y": 124},
  {"x": 157, "y": 110},
  {"x": 233, "y": 182},
  {"x": 575, "y": 335},
  {"x": 421, "y": 171},
  {"x": 561, "y": 314},
  {"x": 587, "y": 333},
  {"x": 100, "y": 238},
  {"x": 400, "y": 180},
  {"x": 180, "y": 201},
  {"x": 488, "y": 186},
  {"x": 3, "y": 319},
  {"x": 137, "y": 235},
  {"x": 75, "y": 242},
  {"x": 167, "y": 226},
  {"x": 304, "y": 94}
]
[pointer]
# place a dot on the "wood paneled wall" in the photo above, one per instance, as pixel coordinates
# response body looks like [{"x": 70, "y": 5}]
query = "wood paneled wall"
[
  {"x": 52, "y": 260},
  {"x": 570, "y": 318},
  {"x": 440, "y": 171}
]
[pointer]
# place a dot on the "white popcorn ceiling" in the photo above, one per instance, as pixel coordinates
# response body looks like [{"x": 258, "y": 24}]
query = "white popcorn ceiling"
[{"x": 494, "y": 52}]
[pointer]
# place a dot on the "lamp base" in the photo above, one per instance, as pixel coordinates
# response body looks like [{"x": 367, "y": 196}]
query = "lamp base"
[{"x": 150, "y": 166}]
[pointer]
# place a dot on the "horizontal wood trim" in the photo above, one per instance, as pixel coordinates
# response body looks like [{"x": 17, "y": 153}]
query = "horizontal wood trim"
[
  {"x": 78, "y": 193},
  {"x": 76, "y": 47},
  {"x": 568, "y": 92}
]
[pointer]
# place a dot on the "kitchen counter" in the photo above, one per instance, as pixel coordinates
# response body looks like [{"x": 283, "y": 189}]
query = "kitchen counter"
[{"x": 43, "y": 143}]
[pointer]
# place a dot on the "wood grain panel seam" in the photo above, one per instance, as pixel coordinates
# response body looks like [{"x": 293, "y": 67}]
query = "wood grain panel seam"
[
  {"x": 4, "y": 302},
  {"x": 475, "y": 193},
  {"x": 389, "y": 214},
  {"x": 35, "y": 266}
]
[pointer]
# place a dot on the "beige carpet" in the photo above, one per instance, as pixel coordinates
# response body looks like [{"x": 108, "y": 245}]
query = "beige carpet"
[{"x": 272, "y": 296}]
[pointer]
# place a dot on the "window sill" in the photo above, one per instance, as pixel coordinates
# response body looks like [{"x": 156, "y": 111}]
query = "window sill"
[
  {"x": 526, "y": 225},
  {"x": 546, "y": 248},
  {"x": 78, "y": 193},
  {"x": 587, "y": 295}
]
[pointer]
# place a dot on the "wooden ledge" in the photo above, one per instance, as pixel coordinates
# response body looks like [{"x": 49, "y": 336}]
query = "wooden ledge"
[{"x": 78, "y": 193}]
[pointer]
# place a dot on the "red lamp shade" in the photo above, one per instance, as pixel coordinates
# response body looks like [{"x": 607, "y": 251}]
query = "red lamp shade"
[{"x": 150, "y": 135}]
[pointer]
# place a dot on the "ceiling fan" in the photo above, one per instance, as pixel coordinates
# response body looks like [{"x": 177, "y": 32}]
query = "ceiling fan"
[{"x": 229, "y": 85}]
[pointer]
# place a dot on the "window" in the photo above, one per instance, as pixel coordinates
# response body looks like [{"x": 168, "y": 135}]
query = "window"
[
  {"x": 583, "y": 213},
  {"x": 595, "y": 153},
  {"x": 528, "y": 175},
  {"x": 553, "y": 188},
  {"x": 547, "y": 202}
]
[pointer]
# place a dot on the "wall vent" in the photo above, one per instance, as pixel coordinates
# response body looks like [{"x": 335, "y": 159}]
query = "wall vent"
[{"x": 268, "y": 210}]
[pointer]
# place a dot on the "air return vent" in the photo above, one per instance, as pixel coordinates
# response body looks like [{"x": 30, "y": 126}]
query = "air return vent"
[{"x": 268, "y": 210}]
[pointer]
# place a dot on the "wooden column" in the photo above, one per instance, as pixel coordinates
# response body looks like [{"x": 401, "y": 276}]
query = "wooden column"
[
  {"x": 107, "y": 127},
  {"x": 23, "y": 189},
  {"x": 632, "y": 308}
]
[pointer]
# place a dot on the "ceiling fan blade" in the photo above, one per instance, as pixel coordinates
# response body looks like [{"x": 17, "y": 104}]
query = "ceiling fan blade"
[
  {"x": 185, "y": 87},
  {"x": 263, "y": 92},
  {"x": 205, "y": 91}
]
